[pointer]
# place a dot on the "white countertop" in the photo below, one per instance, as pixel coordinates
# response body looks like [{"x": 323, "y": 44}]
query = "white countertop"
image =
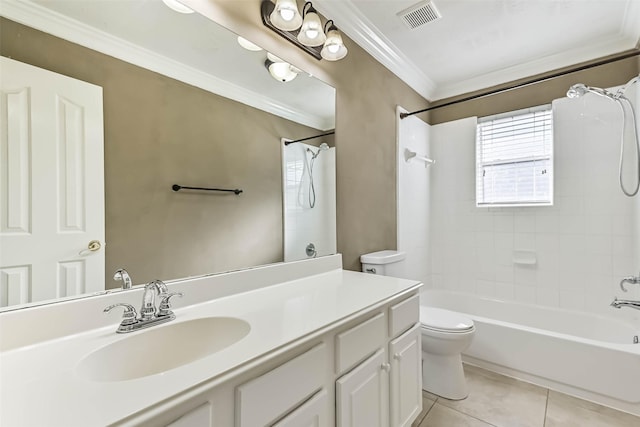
[{"x": 40, "y": 387}]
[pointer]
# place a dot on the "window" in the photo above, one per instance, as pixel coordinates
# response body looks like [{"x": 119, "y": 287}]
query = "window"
[{"x": 514, "y": 158}]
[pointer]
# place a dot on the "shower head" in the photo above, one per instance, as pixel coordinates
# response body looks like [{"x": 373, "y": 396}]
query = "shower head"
[
  {"x": 577, "y": 90},
  {"x": 322, "y": 147}
]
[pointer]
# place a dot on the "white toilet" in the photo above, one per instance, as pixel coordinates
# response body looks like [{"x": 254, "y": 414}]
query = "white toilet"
[{"x": 445, "y": 334}]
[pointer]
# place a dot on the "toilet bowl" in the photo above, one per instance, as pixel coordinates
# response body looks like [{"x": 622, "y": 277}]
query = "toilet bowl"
[{"x": 445, "y": 334}]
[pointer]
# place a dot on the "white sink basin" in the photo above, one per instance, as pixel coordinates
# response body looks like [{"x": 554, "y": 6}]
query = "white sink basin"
[{"x": 162, "y": 348}]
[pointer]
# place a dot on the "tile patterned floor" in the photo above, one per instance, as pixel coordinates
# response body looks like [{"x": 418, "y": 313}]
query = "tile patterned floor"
[{"x": 498, "y": 401}]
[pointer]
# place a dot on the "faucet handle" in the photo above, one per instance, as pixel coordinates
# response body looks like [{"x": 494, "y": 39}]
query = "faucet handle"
[
  {"x": 634, "y": 280},
  {"x": 129, "y": 316},
  {"x": 122, "y": 275},
  {"x": 165, "y": 305}
]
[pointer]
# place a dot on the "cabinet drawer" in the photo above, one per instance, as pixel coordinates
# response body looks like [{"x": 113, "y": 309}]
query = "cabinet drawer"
[
  {"x": 199, "y": 417},
  {"x": 265, "y": 399},
  {"x": 404, "y": 315},
  {"x": 359, "y": 342},
  {"x": 313, "y": 413}
]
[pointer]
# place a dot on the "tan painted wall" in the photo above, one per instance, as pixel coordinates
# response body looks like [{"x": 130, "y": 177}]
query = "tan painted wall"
[
  {"x": 158, "y": 132},
  {"x": 367, "y": 95},
  {"x": 609, "y": 75}
]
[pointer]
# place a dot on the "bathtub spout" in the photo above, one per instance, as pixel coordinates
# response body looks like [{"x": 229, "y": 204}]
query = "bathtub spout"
[{"x": 618, "y": 303}]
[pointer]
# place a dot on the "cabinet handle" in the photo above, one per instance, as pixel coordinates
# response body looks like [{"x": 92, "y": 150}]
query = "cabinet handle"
[
  {"x": 397, "y": 356},
  {"x": 386, "y": 367}
]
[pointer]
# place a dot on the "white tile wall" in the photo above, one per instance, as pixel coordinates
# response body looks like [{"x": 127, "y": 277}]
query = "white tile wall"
[
  {"x": 583, "y": 245},
  {"x": 303, "y": 224},
  {"x": 414, "y": 199}
]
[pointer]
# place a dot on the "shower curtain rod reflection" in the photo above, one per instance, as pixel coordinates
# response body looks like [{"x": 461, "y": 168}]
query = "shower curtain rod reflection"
[
  {"x": 310, "y": 137},
  {"x": 634, "y": 52}
]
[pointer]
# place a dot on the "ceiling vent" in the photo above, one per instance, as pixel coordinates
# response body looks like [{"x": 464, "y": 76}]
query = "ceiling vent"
[{"x": 419, "y": 14}]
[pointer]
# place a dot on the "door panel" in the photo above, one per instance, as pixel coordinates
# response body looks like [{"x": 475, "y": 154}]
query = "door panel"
[
  {"x": 406, "y": 377},
  {"x": 362, "y": 394},
  {"x": 51, "y": 185}
]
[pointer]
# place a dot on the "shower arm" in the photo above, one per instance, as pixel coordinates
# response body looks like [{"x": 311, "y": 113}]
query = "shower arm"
[
  {"x": 626, "y": 55},
  {"x": 623, "y": 89},
  {"x": 310, "y": 137}
]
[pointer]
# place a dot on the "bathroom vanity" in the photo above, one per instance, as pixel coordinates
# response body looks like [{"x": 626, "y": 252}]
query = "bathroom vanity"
[{"x": 295, "y": 344}]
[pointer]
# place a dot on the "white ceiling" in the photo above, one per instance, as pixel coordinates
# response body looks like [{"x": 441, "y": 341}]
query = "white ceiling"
[{"x": 481, "y": 43}]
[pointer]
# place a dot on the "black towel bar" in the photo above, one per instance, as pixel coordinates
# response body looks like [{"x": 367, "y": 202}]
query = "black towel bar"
[{"x": 177, "y": 187}]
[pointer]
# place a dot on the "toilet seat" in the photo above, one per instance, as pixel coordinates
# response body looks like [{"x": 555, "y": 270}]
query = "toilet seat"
[{"x": 441, "y": 320}]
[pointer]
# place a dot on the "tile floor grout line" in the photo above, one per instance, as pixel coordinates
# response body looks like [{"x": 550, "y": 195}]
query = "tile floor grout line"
[
  {"x": 429, "y": 410},
  {"x": 546, "y": 407},
  {"x": 469, "y": 415},
  {"x": 419, "y": 421}
]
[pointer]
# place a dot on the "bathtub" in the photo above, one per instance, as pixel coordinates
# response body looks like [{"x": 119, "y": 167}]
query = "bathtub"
[{"x": 589, "y": 356}]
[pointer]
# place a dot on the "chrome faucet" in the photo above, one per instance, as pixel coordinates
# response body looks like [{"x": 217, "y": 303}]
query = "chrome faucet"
[
  {"x": 618, "y": 303},
  {"x": 148, "y": 309},
  {"x": 121, "y": 275},
  {"x": 634, "y": 280},
  {"x": 149, "y": 315}
]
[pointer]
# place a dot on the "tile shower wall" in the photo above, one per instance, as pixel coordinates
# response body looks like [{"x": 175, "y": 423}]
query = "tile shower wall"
[
  {"x": 414, "y": 184},
  {"x": 302, "y": 223},
  {"x": 634, "y": 94},
  {"x": 584, "y": 243}
]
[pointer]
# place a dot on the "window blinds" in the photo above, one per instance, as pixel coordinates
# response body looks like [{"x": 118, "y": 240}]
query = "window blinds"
[{"x": 514, "y": 163}]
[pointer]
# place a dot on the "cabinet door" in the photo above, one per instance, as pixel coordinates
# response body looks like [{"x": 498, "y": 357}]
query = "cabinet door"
[
  {"x": 406, "y": 377},
  {"x": 313, "y": 413},
  {"x": 362, "y": 395}
]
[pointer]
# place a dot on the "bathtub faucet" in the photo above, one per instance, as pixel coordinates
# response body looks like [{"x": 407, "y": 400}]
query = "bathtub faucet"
[
  {"x": 634, "y": 280},
  {"x": 619, "y": 303}
]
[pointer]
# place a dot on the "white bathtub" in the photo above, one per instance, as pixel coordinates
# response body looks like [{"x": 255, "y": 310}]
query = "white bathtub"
[{"x": 588, "y": 356}]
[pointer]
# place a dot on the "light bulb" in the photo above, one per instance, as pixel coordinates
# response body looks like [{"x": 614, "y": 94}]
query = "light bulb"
[
  {"x": 333, "y": 48},
  {"x": 287, "y": 14},
  {"x": 282, "y": 71},
  {"x": 311, "y": 33}
]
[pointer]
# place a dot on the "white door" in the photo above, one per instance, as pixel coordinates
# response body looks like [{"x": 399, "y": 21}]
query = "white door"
[
  {"x": 362, "y": 395},
  {"x": 51, "y": 185},
  {"x": 406, "y": 377}
]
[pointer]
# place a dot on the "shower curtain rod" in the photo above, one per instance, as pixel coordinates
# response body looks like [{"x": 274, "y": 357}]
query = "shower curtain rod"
[
  {"x": 310, "y": 137},
  {"x": 631, "y": 54}
]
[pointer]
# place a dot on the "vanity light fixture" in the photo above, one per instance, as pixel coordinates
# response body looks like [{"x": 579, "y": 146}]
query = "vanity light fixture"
[
  {"x": 285, "y": 15},
  {"x": 311, "y": 33},
  {"x": 334, "y": 48},
  {"x": 177, "y": 6},
  {"x": 279, "y": 69},
  {"x": 306, "y": 33}
]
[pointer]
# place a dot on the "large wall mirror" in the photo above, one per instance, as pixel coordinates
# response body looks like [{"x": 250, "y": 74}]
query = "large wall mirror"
[{"x": 180, "y": 102}]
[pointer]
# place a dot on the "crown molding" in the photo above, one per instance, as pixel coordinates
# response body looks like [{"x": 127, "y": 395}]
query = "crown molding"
[
  {"x": 58, "y": 25},
  {"x": 350, "y": 21},
  {"x": 532, "y": 68}
]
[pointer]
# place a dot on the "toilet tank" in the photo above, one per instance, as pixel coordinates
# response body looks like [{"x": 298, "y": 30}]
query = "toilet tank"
[{"x": 385, "y": 263}]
